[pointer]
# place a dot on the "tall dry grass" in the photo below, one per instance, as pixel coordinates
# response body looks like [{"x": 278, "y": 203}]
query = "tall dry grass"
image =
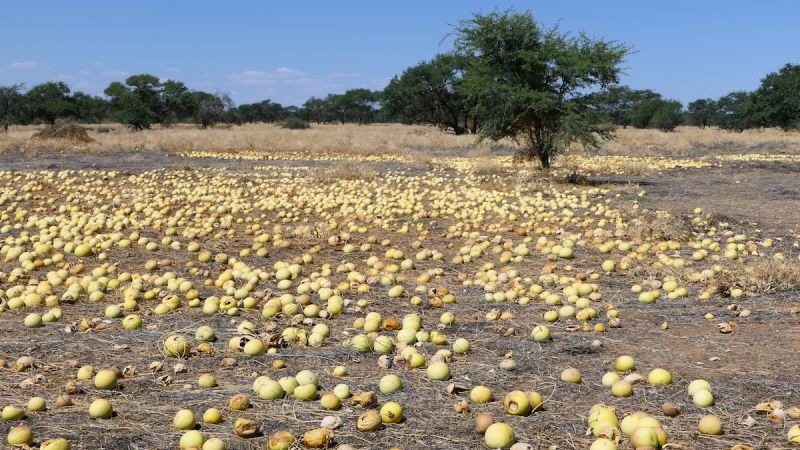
[
  {"x": 694, "y": 141},
  {"x": 408, "y": 140},
  {"x": 364, "y": 140}
]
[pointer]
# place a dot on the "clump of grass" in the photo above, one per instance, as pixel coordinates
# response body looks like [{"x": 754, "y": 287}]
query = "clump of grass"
[
  {"x": 67, "y": 131},
  {"x": 761, "y": 276},
  {"x": 343, "y": 171},
  {"x": 660, "y": 226},
  {"x": 485, "y": 167}
]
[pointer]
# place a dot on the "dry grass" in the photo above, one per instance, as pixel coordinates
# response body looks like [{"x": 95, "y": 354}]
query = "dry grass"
[
  {"x": 343, "y": 171},
  {"x": 351, "y": 139},
  {"x": 762, "y": 276},
  {"x": 383, "y": 139},
  {"x": 686, "y": 141},
  {"x": 660, "y": 226},
  {"x": 69, "y": 132}
]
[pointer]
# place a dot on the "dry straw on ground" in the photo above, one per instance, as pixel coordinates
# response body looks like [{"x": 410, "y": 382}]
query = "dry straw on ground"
[{"x": 383, "y": 139}]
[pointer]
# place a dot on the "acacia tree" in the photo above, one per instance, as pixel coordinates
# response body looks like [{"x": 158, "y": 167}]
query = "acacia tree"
[
  {"x": 734, "y": 111},
  {"x": 617, "y": 103},
  {"x": 777, "y": 101},
  {"x": 48, "y": 101},
  {"x": 702, "y": 112},
  {"x": 530, "y": 83},
  {"x": 315, "y": 109},
  {"x": 430, "y": 92},
  {"x": 211, "y": 108},
  {"x": 128, "y": 108},
  {"x": 10, "y": 99},
  {"x": 362, "y": 103}
]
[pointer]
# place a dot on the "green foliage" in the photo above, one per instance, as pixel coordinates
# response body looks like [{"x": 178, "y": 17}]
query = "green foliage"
[
  {"x": 701, "y": 112},
  {"x": 668, "y": 116},
  {"x": 265, "y": 111},
  {"x": 777, "y": 101},
  {"x": 362, "y": 103},
  {"x": 430, "y": 92},
  {"x": 88, "y": 108},
  {"x": 617, "y": 103},
  {"x": 658, "y": 113},
  {"x": 128, "y": 108},
  {"x": 48, "y": 101},
  {"x": 295, "y": 123},
  {"x": 530, "y": 84},
  {"x": 10, "y": 99},
  {"x": 177, "y": 102},
  {"x": 734, "y": 111},
  {"x": 314, "y": 109},
  {"x": 211, "y": 108}
]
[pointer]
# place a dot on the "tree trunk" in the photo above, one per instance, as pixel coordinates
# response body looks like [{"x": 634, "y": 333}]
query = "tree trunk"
[
  {"x": 456, "y": 126},
  {"x": 544, "y": 158}
]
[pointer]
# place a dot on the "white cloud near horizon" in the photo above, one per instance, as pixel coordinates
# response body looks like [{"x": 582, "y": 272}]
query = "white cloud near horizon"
[
  {"x": 281, "y": 75},
  {"x": 23, "y": 65},
  {"x": 115, "y": 73},
  {"x": 344, "y": 75}
]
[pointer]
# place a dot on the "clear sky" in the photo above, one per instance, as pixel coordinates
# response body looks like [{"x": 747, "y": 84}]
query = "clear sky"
[{"x": 288, "y": 51}]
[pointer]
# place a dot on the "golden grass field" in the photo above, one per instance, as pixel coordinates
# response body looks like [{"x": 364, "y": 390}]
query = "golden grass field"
[
  {"x": 383, "y": 139},
  {"x": 336, "y": 256}
]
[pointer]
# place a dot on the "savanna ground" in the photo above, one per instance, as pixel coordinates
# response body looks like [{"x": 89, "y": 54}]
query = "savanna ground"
[{"x": 461, "y": 212}]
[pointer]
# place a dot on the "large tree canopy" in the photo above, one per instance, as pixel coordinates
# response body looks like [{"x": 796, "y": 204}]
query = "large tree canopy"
[
  {"x": 777, "y": 101},
  {"x": 430, "y": 93},
  {"x": 530, "y": 83}
]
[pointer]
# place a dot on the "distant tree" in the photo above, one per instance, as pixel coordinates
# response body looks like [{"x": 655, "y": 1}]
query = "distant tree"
[
  {"x": 48, "y": 101},
  {"x": 667, "y": 116},
  {"x": 776, "y": 103},
  {"x": 10, "y": 102},
  {"x": 88, "y": 108},
  {"x": 148, "y": 89},
  {"x": 530, "y": 84},
  {"x": 643, "y": 113},
  {"x": 128, "y": 108},
  {"x": 294, "y": 123},
  {"x": 177, "y": 102},
  {"x": 315, "y": 109},
  {"x": 211, "y": 108},
  {"x": 431, "y": 92},
  {"x": 701, "y": 112},
  {"x": 735, "y": 111},
  {"x": 339, "y": 105},
  {"x": 362, "y": 104},
  {"x": 617, "y": 103}
]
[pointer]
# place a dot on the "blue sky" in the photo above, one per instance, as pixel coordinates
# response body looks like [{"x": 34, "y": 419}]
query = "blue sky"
[{"x": 289, "y": 51}]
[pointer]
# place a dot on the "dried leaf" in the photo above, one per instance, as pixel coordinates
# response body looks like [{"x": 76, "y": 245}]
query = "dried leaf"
[
  {"x": 365, "y": 399},
  {"x": 461, "y": 407}
]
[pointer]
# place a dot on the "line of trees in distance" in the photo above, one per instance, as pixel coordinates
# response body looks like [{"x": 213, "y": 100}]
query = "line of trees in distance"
[{"x": 431, "y": 92}]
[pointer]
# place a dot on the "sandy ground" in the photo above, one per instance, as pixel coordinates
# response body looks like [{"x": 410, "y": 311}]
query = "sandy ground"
[{"x": 757, "y": 362}]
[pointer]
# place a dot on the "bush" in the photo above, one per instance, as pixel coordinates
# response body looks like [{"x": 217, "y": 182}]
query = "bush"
[
  {"x": 667, "y": 116},
  {"x": 67, "y": 131},
  {"x": 657, "y": 113},
  {"x": 295, "y": 123}
]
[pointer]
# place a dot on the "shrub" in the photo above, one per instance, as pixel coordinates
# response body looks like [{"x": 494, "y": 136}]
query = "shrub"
[
  {"x": 295, "y": 123},
  {"x": 67, "y": 131},
  {"x": 667, "y": 116}
]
